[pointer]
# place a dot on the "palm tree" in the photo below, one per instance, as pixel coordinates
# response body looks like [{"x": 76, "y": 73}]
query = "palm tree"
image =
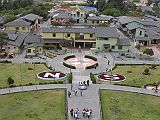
[{"x": 3, "y": 40}]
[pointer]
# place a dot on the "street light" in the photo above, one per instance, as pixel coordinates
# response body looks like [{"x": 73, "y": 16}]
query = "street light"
[
  {"x": 21, "y": 76},
  {"x": 35, "y": 75}
]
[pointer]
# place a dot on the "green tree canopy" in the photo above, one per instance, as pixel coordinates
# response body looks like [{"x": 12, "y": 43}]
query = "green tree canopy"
[
  {"x": 3, "y": 40},
  {"x": 112, "y": 11},
  {"x": 148, "y": 52}
]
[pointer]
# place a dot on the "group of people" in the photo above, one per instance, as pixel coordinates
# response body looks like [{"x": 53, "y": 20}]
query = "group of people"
[
  {"x": 84, "y": 83},
  {"x": 75, "y": 113},
  {"x": 75, "y": 93},
  {"x": 86, "y": 113}
]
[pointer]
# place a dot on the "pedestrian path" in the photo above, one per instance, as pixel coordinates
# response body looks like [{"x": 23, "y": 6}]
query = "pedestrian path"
[{"x": 89, "y": 99}]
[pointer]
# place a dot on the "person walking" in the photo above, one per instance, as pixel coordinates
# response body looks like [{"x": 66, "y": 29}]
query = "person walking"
[
  {"x": 69, "y": 94},
  {"x": 71, "y": 87},
  {"x": 84, "y": 112},
  {"x": 84, "y": 83},
  {"x": 75, "y": 92},
  {"x": 90, "y": 110},
  {"x": 81, "y": 92},
  {"x": 71, "y": 112},
  {"x": 88, "y": 83},
  {"x": 88, "y": 114},
  {"x": 108, "y": 62}
]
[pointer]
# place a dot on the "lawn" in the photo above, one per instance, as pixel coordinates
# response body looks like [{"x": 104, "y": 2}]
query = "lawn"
[
  {"x": 33, "y": 105},
  {"x": 17, "y": 70},
  {"x": 136, "y": 78},
  {"x": 117, "y": 105}
]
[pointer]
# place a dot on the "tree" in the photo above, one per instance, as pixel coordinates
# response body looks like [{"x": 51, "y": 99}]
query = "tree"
[
  {"x": 9, "y": 18},
  {"x": 149, "y": 2},
  {"x": 10, "y": 81},
  {"x": 146, "y": 71},
  {"x": 138, "y": 46},
  {"x": 3, "y": 40},
  {"x": 112, "y": 11},
  {"x": 148, "y": 51}
]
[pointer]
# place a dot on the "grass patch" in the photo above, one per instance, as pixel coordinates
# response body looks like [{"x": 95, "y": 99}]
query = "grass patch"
[
  {"x": 28, "y": 72},
  {"x": 33, "y": 105},
  {"x": 117, "y": 105},
  {"x": 134, "y": 75}
]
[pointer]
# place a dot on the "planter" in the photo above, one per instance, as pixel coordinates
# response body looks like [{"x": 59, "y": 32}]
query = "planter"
[
  {"x": 111, "y": 78},
  {"x": 51, "y": 75}
]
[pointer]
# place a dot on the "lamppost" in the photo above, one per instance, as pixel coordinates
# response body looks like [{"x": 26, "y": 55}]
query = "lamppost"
[
  {"x": 35, "y": 75},
  {"x": 21, "y": 76}
]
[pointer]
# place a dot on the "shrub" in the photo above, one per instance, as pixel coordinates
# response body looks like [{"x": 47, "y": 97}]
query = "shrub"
[
  {"x": 10, "y": 81},
  {"x": 153, "y": 66},
  {"x": 90, "y": 57},
  {"x": 5, "y": 61},
  {"x": 146, "y": 71},
  {"x": 148, "y": 52},
  {"x": 70, "y": 78},
  {"x": 93, "y": 79},
  {"x": 29, "y": 68},
  {"x": 138, "y": 46},
  {"x": 129, "y": 71},
  {"x": 92, "y": 66},
  {"x": 122, "y": 54},
  {"x": 55, "y": 82},
  {"x": 68, "y": 57},
  {"x": 60, "y": 82},
  {"x": 69, "y": 66}
]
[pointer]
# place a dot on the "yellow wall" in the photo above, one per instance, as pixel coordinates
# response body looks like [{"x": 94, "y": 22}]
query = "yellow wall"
[
  {"x": 14, "y": 28},
  {"x": 40, "y": 50},
  {"x": 87, "y": 36},
  {"x": 50, "y": 35},
  {"x": 64, "y": 35},
  {"x": 32, "y": 53}
]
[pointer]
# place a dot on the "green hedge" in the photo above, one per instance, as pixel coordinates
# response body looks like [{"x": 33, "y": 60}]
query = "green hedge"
[
  {"x": 68, "y": 57},
  {"x": 92, "y": 66},
  {"x": 93, "y": 79},
  {"x": 70, "y": 77},
  {"x": 69, "y": 66},
  {"x": 5, "y": 61},
  {"x": 90, "y": 57}
]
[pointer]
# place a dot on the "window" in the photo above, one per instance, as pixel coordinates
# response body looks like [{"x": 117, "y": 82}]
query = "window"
[
  {"x": 8, "y": 47},
  {"x": 46, "y": 43},
  {"x": 23, "y": 28},
  {"x": 17, "y": 28},
  {"x": 81, "y": 15},
  {"x": 113, "y": 47},
  {"x": 106, "y": 38},
  {"x": 91, "y": 35},
  {"x": 140, "y": 32},
  {"x": 68, "y": 35},
  {"x": 93, "y": 21},
  {"x": 120, "y": 47},
  {"x": 29, "y": 51},
  {"x": 14, "y": 47},
  {"x": 97, "y": 21},
  {"x": 54, "y": 35}
]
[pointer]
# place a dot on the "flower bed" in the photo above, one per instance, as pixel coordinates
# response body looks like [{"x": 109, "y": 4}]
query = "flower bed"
[
  {"x": 51, "y": 75},
  {"x": 113, "y": 78}
]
